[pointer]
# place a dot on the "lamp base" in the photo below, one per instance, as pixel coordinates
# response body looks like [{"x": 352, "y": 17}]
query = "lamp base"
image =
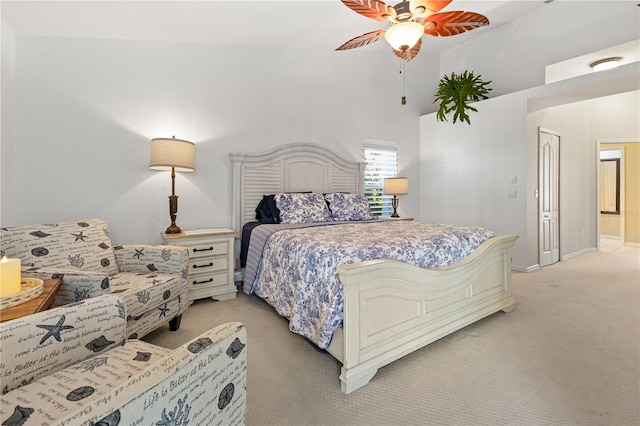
[
  {"x": 173, "y": 212},
  {"x": 394, "y": 204},
  {"x": 173, "y": 229}
]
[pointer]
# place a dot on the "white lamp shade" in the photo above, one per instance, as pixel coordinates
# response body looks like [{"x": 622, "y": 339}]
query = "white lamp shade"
[
  {"x": 404, "y": 35},
  {"x": 396, "y": 186},
  {"x": 170, "y": 152}
]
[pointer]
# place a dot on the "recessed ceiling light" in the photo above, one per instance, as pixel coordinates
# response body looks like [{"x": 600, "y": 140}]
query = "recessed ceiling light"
[{"x": 606, "y": 63}]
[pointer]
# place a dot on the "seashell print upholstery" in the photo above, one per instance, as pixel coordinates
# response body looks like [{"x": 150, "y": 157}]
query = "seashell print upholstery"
[
  {"x": 73, "y": 365},
  {"x": 150, "y": 279},
  {"x": 84, "y": 245}
]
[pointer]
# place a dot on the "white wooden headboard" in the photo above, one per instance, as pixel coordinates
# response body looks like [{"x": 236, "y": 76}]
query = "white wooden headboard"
[{"x": 289, "y": 168}]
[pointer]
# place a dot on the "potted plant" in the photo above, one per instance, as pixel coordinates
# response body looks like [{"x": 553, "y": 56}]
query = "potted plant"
[{"x": 456, "y": 91}]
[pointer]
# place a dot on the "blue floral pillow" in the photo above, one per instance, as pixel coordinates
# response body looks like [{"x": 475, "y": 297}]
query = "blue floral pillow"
[
  {"x": 302, "y": 208},
  {"x": 349, "y": 207}
]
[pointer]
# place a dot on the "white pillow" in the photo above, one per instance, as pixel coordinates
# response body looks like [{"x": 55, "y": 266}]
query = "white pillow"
[
  {"x": 349, "y": 207},
  {"x": 302, "y": 208}
]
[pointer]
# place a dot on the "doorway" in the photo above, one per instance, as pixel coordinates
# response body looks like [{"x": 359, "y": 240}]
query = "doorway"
[
  {"x": 548, "y": 197},
  {"x": 614, "y": 226}
]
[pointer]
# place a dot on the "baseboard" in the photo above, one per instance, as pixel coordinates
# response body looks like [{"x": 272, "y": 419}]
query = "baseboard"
[
  {"x": 565, "y": 257},
  {"x": 631, "y": 244},
  {"x": 610, "y": 237},
  {"x": 533, "y": 267},
  {"x": 578, "y": 253},
  {"x": 525, "y": 269}
]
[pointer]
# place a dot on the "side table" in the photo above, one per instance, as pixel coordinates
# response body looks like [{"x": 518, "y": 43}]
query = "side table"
[
  {"x": 211, "y": 265},
  {"x": 39, "y": 304}
]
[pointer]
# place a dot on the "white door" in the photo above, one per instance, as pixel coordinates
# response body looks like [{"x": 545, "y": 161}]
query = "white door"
[{"x": 549, "y": 186}]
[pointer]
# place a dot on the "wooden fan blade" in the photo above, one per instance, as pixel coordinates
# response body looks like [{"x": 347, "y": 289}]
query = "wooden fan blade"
[
  {"x": 374, "y": 9},
  {"x": 409, "y": 54},
  {"x": 452, "y": 23},
  {"x": 430, "y": 6},
  {"x": 363, "y": 40}
]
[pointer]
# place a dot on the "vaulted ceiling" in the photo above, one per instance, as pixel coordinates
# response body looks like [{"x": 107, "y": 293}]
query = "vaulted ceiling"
[
  {"x": 323, "y": 24},
  {"x": 309, "y": 24}
]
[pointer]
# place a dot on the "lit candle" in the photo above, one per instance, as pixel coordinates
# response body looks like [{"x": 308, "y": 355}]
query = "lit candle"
[{"x": 9, "y": 277}]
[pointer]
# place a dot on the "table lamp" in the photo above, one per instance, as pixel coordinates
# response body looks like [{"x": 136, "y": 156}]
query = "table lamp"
[
  {"x": 396, "y": 186},
  {"x": 176, "y": 155}
]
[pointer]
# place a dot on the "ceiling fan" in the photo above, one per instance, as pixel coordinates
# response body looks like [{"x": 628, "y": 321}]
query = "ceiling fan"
[{"x": 409, "y": 21}]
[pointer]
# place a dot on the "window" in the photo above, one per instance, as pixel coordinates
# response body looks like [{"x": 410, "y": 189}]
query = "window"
[{"x": 381, "y": 162}]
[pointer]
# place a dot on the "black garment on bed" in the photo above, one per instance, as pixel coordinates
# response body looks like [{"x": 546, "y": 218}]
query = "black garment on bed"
[{"x": 244, "y": 241}]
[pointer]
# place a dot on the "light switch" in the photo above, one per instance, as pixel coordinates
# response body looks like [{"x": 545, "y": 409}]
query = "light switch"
[
  {"x": 512, "y": 193},
  {"x": 514, "y": 179}
]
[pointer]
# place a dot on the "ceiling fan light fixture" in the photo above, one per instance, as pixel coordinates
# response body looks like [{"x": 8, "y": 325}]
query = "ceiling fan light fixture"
[
  {"x": 404, "y": 35},
  {"x": 419, "y": 12},
  {"x": 606, "y": 63}
]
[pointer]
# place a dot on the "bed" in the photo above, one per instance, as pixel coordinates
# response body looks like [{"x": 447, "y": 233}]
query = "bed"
[{"x": 389, "y": 308}]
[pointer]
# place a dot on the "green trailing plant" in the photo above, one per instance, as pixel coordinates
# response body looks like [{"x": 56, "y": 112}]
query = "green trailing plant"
[{"x": 456, "y": 91}]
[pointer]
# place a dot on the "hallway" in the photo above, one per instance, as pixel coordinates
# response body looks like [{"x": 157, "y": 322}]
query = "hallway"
[{"x": 611, "y": 245}]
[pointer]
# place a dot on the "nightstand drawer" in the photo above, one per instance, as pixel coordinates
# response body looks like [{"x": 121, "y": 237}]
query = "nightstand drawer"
[
  {"x": 207, "y": 280},
  {"x": 207, "y": 249},
  {"x": 203, "y": 265},
  {"x": 211, "y": 264}
]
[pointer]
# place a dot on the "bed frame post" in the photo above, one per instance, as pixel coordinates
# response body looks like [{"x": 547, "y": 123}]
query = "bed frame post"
[{"x": 353, "y": 375}]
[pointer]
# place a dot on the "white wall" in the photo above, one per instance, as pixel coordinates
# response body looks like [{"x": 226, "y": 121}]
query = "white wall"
[
  {"x": 581, "y": 125},
  {"x": 466, "y": 169},
  {"x": 86, "y": 109},
  {"x": 7, "y": 71},
  {"x": 513, "y": 56}
]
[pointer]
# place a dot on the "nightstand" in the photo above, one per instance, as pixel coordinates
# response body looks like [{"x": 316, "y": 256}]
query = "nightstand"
[{"x": 211, "y": 264}]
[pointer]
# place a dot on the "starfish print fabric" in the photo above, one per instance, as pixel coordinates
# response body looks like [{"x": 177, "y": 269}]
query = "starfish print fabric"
[
  {"x": 72, "y": 365},
  {"x": 54, "y": 330},
  {"x": 84, "y": 245},
  {"x": 150, "y": 279}
]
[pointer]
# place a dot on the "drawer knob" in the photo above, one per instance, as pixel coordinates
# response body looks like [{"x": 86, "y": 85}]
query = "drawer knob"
[
  {"x": 203, "y": 266},
  {"x": 203, "y": 282},
  {"x": 195, "y": 250}
]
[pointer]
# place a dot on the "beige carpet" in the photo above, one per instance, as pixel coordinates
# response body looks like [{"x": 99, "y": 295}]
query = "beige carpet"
[{"x": 569, "y": 354}]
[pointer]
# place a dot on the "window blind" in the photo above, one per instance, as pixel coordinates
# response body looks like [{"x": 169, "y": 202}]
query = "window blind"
[{"x": 381, "y": 162}]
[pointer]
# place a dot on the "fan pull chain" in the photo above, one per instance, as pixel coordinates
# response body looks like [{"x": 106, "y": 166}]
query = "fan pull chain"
[{"x": 402, "y": 72}]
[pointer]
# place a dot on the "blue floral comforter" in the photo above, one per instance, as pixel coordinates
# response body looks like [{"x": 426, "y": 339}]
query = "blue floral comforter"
[{"x": 297, "y": 270}]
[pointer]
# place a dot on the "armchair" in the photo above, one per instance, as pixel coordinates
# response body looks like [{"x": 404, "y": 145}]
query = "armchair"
[
  {"x": 72, "y": 365},
  {"x": 150, "y": 279}
]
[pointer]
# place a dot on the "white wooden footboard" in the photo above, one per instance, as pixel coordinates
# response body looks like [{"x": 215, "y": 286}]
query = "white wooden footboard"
[{"x": 393, "y": 308}]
